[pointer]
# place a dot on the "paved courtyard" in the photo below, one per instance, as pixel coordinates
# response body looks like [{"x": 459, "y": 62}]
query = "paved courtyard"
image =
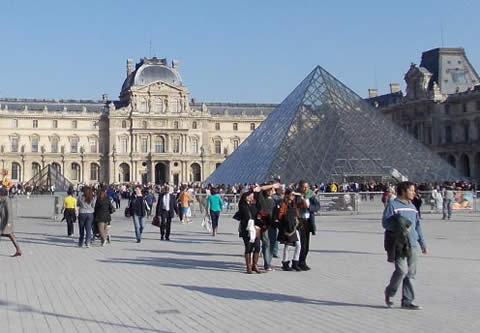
[{"x": 195, "y": 283}]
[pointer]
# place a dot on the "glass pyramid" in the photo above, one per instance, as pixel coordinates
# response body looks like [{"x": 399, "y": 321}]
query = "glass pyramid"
[
  {"x": 324, "y": 132},
  {"x": 47, "y": 177}
]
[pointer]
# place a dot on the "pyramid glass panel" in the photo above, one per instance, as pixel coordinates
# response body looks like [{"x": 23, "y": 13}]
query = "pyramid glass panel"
[{"x": 322, "y": 132}]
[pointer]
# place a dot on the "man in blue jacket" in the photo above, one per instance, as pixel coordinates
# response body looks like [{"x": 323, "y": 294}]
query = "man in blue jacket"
[{"x": 405, "y": 267}]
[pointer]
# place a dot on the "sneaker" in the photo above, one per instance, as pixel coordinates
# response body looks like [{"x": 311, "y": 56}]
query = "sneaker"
[
  {"x": 139, "y": 240},
  {"x": 88, "y": 245},
  {"x": 104, "y": 243},
  {"x": 17, "y": 254},
  {"x": 162, "y": 237},
  {"x": 388, "y": 301},
  {"x": 108, "y": 239},
  {"x": 411, "y": 306},
  {"x": 304, "y": 267}
]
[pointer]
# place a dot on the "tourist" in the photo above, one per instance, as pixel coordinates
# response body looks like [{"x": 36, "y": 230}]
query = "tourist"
[
  {"x": 266, "y": 206},
  {"x": 103, "y": 218},
  {"x": 278, "y": 198},
  {"x": 6, "y": 220},
  {"x": 405, "y": 266},
  {"x": 184, "y": 198},
  {"x": 448, "y": 196},
  {"x": 214, "y": 206},
  {"x": 306, "y": 224},
  {"x": 86, "y": 208},
  {"x": 289, "y": 223},
  {"x": 248, "y": 231},
  {"x": 70, "y": 211},
  {"x": 138, "y": 211},
  {"x": 417, "y": 202},
  {"x": 166, "y": 212}
]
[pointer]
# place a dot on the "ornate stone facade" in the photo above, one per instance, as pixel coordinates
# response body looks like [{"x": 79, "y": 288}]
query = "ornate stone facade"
[
  {"x": 441, "y": 107},
  {"x": 154, "y": 133}
]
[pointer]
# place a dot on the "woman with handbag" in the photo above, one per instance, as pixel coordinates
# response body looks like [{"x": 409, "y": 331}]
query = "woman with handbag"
[
  {"x": 249, "y": 231},
  {"x": 288, "y": 234},
  {"x": 214, "y": 206}
]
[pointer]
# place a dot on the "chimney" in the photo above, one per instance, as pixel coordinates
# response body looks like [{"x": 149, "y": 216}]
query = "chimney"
[
  {"x": 129, "y": 66},
  {"x": 104, "y": 98},
  {"x": 175, "y": 64},
  {"x": 394, "y": 88},
  {"x": 372, "y": 92}
]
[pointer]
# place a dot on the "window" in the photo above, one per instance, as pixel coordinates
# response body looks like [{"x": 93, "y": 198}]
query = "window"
[
  {"x": 74, "y": 145},
  {"x": 464, "y": 107},
  {"x": 235, "y": 144},
  {"x": 217, "y": 126},
  {"x": 55, "y": 124},
  {"x": 93, "y": 146},
  {"x": 35, "y": 168},
  {"x": 124, "y": 145},
  {"x": 159, "y": 145},
  {"x": 448, "y": 134},
  {"x": 143, "y": 106},
  {"x": 54, "y": 146},
  {"x": 252, "y": 126},
  {"x": 175, "y": 124},
  {"x": 447, "y": 108},
  {"x": 466, "y": 132},
  {"x": 477, "y": 104},
  {"x": 144, "y": 124},
  {"x": 195, "y": 145},
  {"x": 34, "y": 145},
  {"x": 174, "y": 106},
  {"x": 235, "y": 126},
  {"x": 176, "y": 145},
  {"x": 14, "y": 145},
  {"x": 35, "y": 124},
  {"x": 94, "y": 124},
  {"x": 428, "y": 135},
  {"x": 74, "y": 124},
  {"x": 218, "y": 147},
  {"x": 15, "y": 123},
  {"x": 75, "y": 171},
  {"x": 143, "y": 145},
  {"x": 159, "y": 105},
  {"x": 15, "y": 171},
  {"x": 194, "y": 124},
  {"x": 124, "y": 124},
  {"x": 94, "y": 170}
]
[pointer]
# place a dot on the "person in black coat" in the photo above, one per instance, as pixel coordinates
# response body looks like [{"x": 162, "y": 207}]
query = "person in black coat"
[
  {"x": 138, "y": 211},
  {"x": 248, "y": 211},
  {"x": 166, "y": 208},
  {"x": 103, "y": 218}
]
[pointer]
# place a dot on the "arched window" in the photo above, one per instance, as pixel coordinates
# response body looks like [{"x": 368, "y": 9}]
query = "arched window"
[
  {"x": 159, "y": 144},
  {"x": 195, "y": 145},
  {"x": 35, "y": 168},
  {"x": 57, "y": 167},
  {"x": 15, "y": 171},
  {"x": 94, "y": 171},
  {"x": 194, "y": 125},
  {"x": 218, "y": 147},
  {"x": 196, "y": 172},
  {"x": 75, "y": 171}
]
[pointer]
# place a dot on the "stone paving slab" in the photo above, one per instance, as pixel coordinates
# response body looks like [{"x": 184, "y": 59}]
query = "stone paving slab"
[{"x": 196, "y": 283}]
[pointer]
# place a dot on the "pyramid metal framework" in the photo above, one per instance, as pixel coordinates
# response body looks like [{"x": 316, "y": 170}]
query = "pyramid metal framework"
[
  {"x": 323, "y": 132},
  {"x": 49, "y": 176}
]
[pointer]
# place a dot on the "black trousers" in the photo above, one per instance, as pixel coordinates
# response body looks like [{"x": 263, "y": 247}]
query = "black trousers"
[
  {"x": 304, "y": 231},
  {"x": 165, "y": 224},
  {"x": 70, "y": 218}
]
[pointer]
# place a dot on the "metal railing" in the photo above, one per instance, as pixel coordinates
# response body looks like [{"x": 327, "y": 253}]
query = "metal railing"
[{"x": 339, "y": 203}]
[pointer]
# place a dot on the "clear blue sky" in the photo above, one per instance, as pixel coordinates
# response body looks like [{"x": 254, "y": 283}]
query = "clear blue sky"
[{"x": 229, "y": 51}]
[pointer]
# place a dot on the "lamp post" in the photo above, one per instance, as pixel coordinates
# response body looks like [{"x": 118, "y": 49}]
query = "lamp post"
[
  {"x": 42, "y": 150},
  {"x": 82, "y": 152},
  {"x": 202, "y": 152}
]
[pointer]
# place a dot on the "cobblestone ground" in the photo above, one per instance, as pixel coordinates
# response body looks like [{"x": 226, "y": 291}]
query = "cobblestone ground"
[{"x": 196, "y": 283}]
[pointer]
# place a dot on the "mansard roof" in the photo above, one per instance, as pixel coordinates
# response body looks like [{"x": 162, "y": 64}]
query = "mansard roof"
[
  {"x": 386, "y": 100},
  {"x": 70, "y": 105},
  {"x": 237, "y": 109},
  {"x": 451, "y": 69}
]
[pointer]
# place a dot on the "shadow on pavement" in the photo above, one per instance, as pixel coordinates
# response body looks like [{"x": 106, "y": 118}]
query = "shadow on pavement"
[
  {"x": 192, "y": 253},
  {"x": 347, "y": 252},
  {"x": 26, "y": 308},
  {"x": 180, "y": 263},
  {"x": 244, "y": 295}
]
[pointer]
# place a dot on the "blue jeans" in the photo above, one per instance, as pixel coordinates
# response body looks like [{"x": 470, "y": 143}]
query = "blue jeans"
[
  {"x": 138, "y": 222},
  {"x": 85, "y": 222},
  {"x": 447, "y": 208},
  {"x": 405, "y": 271},
  {"x": 272, "y": 235},
  {"x": 266, "y": 249}
]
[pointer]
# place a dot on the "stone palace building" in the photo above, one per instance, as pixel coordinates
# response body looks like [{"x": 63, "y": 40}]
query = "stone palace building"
[
  {"x": 153, "y": 133},
  {"x": 156, "y": 133},
  {"x": 441, "y": 107}
]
